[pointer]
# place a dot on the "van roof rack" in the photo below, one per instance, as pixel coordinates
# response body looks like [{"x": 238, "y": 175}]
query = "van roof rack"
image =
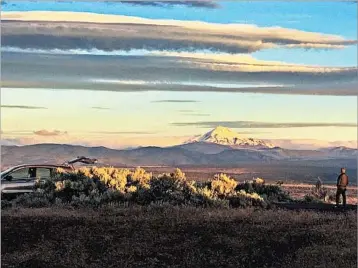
[{"x": 81, "y": 159}]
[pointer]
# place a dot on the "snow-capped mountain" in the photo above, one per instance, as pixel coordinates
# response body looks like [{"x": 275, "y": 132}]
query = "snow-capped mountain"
[{"x": 225, "y": 136}]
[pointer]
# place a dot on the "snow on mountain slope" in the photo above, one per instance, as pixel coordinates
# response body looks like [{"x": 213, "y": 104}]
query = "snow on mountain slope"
[{"x": 225, "y": 136}]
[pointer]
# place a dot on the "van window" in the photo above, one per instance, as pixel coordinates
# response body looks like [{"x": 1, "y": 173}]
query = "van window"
[
  {"x": 20, "y": 174},
  {"x": 43, "y": 173}
]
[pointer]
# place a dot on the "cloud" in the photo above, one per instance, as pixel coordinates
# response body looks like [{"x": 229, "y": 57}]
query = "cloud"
[
  {"x": 194, "y": 60},
  {"x": 156, "y": 3},
  {"x": 247, "y": 63},
  {"x": 164, "y": 3},
  {"x": 316, "y": 90},
  {"x": 186, "y": 111},
  {"x": 73, "y": 30},
  {"x": 176, "y": 101},
  {"x": 183, "y": 72},
  {"x": 192, "y": 113},
  {"x": 323, "y": 90},
  {"x": 100, "y": 108},
  {"x": 26, "y": 107},
  {"x": 44, "y": 132},
  {"x": 174, "y": 83},
  {"x": 197, "y": 114},
  {"x": 254, "y": 124},
  {"x": 122, "y": 132}
]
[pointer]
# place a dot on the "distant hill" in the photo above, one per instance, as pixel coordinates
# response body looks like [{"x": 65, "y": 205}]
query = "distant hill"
[
  {"x": 341, "y": 152},
  {"x": 203, "y": 147},
  {"x": 219, "y": 147},
  {"x": 59, "y": 153},
  {"x": 187, "y": 154}
]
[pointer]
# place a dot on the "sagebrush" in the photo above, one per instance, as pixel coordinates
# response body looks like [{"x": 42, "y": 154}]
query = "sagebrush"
[{"x": 97, "y": 186}]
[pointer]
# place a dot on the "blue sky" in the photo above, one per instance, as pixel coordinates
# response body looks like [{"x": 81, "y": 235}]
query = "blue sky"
[{"x": 140, "y": 111}]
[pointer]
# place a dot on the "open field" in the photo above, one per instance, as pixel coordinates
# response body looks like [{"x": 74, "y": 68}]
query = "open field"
[
  {"x": 294, "y": 173},
  {"x": 177, "y": 237},
  {"x": 298, "y": 191}
]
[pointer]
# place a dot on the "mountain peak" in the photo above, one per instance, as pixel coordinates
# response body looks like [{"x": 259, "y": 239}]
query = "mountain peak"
[
  {"x": 226, "y": 136},
  {"x": 220, "y": 134},
  {"x": 220, "y": 130}
]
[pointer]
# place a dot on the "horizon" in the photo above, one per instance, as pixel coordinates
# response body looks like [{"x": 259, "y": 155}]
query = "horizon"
[
  {"x": 284, "y": 144},
  {"x": 158, "y": 75}
]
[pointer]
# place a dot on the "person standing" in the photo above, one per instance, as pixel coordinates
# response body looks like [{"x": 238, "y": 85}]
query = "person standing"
[{"x": 342, "y": 182}]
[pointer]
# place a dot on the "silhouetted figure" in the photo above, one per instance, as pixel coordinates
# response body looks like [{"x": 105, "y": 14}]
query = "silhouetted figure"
[
  {"x": 342, "y": 183},
  {"x": 32, "y": 173},
  {"x": 319, "y": 184}
]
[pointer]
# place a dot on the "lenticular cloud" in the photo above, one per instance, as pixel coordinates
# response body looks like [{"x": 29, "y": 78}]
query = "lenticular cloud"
[{"x": 70, "y": 30}]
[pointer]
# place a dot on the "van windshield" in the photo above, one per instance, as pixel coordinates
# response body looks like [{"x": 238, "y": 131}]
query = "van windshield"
[{"x": 3, "y": 173}]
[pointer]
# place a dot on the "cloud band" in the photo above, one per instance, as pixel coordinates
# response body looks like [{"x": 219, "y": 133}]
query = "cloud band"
[
  {"x": 71, "y": 30},
  {"x": 254, "y": 124}
]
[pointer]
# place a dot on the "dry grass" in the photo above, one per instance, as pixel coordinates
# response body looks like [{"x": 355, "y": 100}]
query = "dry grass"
[{"x": 177, "y": 237}]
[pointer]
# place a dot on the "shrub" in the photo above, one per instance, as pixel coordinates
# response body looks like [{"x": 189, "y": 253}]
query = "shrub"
[
  {"x": 178, "y": 175},
  {"x": 165, "y": 188},
  {"x": 271, "y": 193},
  {"x": 319, "y": 193},
  {"x": 5, "y": 204},
  {"x": 65, "y": 186},
  {"x": 223, "y": 185},
  {"x": 279, "y": 182},
  {"x": 98, "y": 186},
  {"x": 32, "y": 200},
  {"x": 139, "y": 177},
  {"x": 259, "y": 181},
  {"x": 309, "y": 198},
  {"x": 111, "y": 177},
  {"x": 331, "y": 196},
  {"x": 244, "y": 199}
]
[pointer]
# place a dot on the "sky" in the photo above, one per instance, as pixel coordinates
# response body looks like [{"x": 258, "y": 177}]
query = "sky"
[{"x": 138, "y": 73}]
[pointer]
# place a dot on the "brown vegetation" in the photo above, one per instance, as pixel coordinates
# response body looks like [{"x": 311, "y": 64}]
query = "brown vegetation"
[
  {"x": 160, "y": 236},
  {"x": 128, "y": 218}
]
